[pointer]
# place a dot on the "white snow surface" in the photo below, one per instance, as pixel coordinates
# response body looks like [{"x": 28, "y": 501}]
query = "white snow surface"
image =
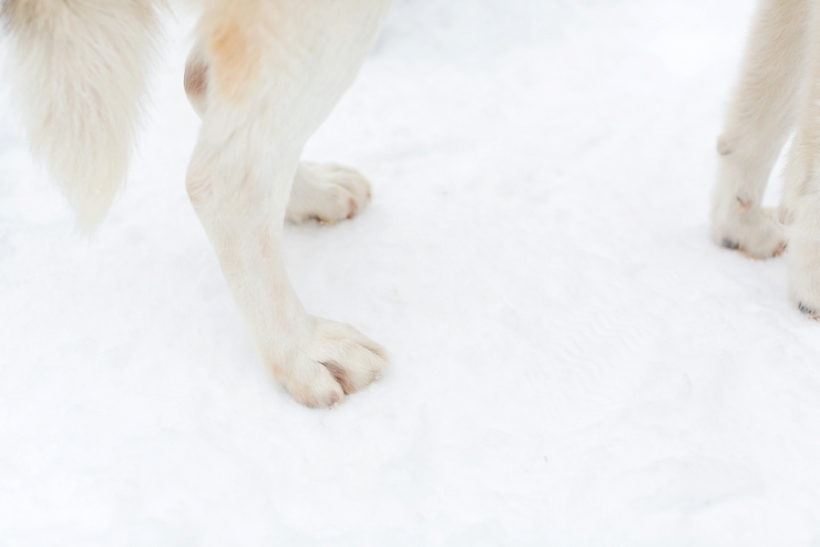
[{"x": 573, "y": 361}]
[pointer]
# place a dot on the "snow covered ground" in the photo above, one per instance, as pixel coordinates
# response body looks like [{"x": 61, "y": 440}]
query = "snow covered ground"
[{"x": 573, "y": 361}]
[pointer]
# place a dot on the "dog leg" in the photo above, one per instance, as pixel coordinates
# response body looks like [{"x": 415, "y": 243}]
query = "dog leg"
[
  {"x": 327, "y": 193},
  {"x": 758, "y": 121},
  {"x": 802, "y": 190},
  {"x": 275, "y": 70}
]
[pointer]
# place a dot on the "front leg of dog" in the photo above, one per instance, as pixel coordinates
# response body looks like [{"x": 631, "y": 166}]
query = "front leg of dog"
[{"x": 316, "y": 360}]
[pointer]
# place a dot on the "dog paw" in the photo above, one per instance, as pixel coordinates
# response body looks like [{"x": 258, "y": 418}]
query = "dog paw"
[
  {"x": 337, "y": 361},
  {"x": 327, "y": 193},
  {"x": 753, "y": 231}
]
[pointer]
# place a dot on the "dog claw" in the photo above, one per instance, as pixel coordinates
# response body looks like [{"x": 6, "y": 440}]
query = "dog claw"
[
  {"x": 805, "y": 310},
  {"x": 729, "y": 244}
]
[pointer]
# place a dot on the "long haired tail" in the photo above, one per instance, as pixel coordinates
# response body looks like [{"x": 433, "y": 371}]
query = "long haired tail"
[{"x": 79, "y": 72}]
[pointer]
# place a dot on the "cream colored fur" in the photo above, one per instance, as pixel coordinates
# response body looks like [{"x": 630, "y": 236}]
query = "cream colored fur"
[
  {"x": 778, "y": 92},
  {"x": 79, "y": 69},
  {"x": 263, "y": 75}
]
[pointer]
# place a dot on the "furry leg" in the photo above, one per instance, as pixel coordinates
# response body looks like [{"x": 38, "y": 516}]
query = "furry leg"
[
  {"x": 757, "y": 124},
  {"x": 801, "y": 198},
  {"x": 327, "y": 193},
  {"x": 275, "y": 70}
]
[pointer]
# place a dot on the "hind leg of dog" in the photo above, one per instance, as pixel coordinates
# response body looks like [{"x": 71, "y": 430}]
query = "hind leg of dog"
[
  {"x": 324, "y": 192},
  {"x": 758, "y": 121},
  {"x": 802, "y": 192},
  {"x": 274, "y": 71}
]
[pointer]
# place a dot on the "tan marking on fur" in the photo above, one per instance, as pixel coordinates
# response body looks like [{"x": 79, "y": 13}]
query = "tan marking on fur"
[
  {"x": 777, "y": 252},
  {"x": 230, "y": 31},
  {"x": 233, "y": 62},
  {"x": 340, "y": 375},
  {"x": 196, "y": 80},
  {"x": 20, "y": 13}
]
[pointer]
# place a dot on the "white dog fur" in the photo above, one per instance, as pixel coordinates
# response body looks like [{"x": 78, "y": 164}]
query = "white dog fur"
[
  {"x": 778, "y": 91},
  {"x": 263, "y": 75}
]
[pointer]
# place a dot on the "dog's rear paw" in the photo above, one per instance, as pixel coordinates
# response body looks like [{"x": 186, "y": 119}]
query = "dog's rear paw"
[
  {"x": 327, "y": 193},
  {"x": 338, "y": 361},
  {"x": 754, "y": 232}
]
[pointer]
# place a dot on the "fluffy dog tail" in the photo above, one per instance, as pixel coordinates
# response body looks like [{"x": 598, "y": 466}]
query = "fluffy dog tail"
[{"x": 78, "y": 69}]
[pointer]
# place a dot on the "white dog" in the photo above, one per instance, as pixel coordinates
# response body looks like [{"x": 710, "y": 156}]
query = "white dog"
[
  {"x": 263, "y": 75},
  {"x": 779, "y": 88}
]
